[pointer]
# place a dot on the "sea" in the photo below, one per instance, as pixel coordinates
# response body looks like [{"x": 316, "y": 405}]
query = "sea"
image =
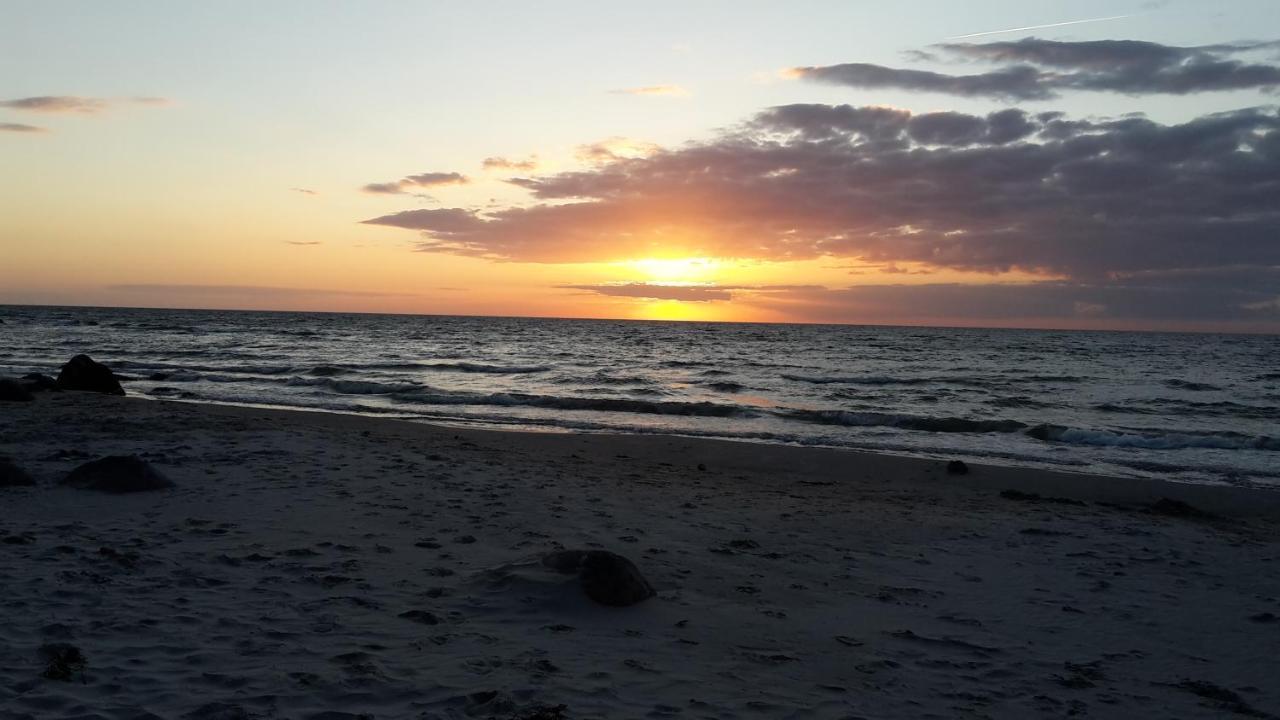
[{"x": 1198, "y": 408}]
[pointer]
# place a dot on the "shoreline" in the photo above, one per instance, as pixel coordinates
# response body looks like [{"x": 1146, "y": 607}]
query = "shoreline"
[
  {"x": 1222, "y": 499},
  {"x": 312, "y": 565}
]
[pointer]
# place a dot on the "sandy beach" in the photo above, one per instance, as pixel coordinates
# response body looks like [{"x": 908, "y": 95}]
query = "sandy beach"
[{"x": 312, "y": 565}]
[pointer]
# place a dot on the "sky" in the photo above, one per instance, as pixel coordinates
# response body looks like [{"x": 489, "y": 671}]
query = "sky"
[{"x": 1110, "y": 165}]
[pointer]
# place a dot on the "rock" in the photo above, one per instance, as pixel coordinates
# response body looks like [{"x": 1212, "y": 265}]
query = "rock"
[
  {"x": 606, "y": 577},
  {"x": 957, "y": 467},
  {"x": 13, "y": 476},
  {"x": 39, "y": 382},
  {"x": 82, "y": 373},
  {"x": 14, "y": 391},
  {"x": 117, "y": 474}
]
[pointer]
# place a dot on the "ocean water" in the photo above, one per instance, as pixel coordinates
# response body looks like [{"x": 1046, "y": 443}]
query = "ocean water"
[{"x": 1189, "y": 407}]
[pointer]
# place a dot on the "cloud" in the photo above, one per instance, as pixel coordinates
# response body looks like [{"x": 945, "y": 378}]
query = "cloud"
[
  {"x": 304, "y": 191},
  {"x": 1249, "y": 296},
  {"x": 685, "y": 293},
  {"x": 20, "y": 128},
  {"x": 1040, "y": 193},
  {"x": 423, "y": 180},
  {"x": 1036, "y": 69},
  {"x": 72, "y": 103},
  {"x": 614, "y": 148},
  {"x": 653, "y": 90},
  {"x": 304, "y": 242},
  {"x": 501, "y": 163}
]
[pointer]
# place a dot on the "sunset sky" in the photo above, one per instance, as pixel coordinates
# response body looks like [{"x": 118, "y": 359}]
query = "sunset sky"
[{"x": 1048, "y": 164}]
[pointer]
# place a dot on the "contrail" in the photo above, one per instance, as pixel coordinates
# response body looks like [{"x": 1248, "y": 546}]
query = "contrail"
[{"x": 1038, "y": 27}]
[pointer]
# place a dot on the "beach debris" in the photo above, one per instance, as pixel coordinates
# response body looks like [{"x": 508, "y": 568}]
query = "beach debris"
[
  {"x": 13, "y": 476},
  {"x": 83, "y": 373},
  {"x": 1179, "y": 509},
  {"x": 117, "y": 474},
  {"x": 607, "y": 578},
  {"x": 957, "y": 467},
  {"x": 14, "y": 391},
  {"x": 62, "y": 661}
]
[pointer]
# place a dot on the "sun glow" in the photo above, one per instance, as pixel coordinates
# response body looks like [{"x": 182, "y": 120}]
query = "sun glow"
[{"x": 675, "y": 270}]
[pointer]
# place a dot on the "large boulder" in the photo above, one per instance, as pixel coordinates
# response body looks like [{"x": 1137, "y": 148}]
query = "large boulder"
[
  {"x": 117, "y": 474},
  {"x": 13, "y": 476},
  {"x": 14, "y": 391},
  {"x": 606, "y": 577},
  {"x": 82, "y": 373}
]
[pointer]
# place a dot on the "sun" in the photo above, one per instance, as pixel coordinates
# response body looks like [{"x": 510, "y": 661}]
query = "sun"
[{"x": 674, "y": 270}]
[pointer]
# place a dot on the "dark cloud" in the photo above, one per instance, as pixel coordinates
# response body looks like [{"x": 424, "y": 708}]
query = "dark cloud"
[
  {"x": 687, "y": 293},
  {"x": 304, "y": 191},
  {"x": 423, "y": 180},
  {"x": 20, "y": 128},
  {"x": 1006, "y": 191},
  {"x": 1247, "y": 297},
  {"x": 1017, "y": 83},
  {"x": 1035, "y": 69},
  {"x": 72, "y": 103}
]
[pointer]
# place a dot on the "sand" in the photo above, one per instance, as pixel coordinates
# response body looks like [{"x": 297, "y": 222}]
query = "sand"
[{"x": 309, "y": 565}]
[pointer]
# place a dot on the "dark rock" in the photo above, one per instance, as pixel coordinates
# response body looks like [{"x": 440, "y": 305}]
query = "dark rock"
[
  {"x": 13, "y": 476},
  {"x": 117, "y": 474},
  {"x": 39, "y": 382},
  {"x": 62, "y": 661},
  {"x": 82, "y": 373},
  {"x": 957, "y": 467},
  {"x": 607, "y": 578},
  {"x": 14, "y": 391}
]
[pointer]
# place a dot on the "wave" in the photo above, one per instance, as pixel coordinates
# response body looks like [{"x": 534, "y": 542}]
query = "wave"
[
  {"x": 602, "y": 379},
  {"x": 492, "y": 369},
  {"x": 906, "y": 422},
  {"x": 1188, "y": 385},
  {"x": 427, "y": 396},
  {"x": 326, "y": 370},
  {"x": 883, "y": 380},
  {"x": 1153, "y": 439},
  {"x": 725, "y": 386},
  {"x": 354, "y": 387}
]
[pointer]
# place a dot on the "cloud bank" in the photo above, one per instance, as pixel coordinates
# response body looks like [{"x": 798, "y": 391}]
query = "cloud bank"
[
  {"x": 1036, "y": 69},
  {"x": 1005, "y": 191}
]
